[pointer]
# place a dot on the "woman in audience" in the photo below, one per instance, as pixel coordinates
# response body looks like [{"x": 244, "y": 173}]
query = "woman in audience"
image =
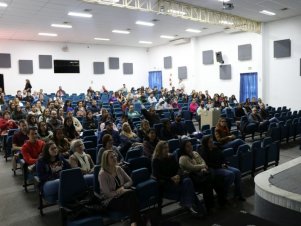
[
  {"x": 61, "y": 142},
  {"x": 90, "y": 122},
  {"x": 18, "y": 114},
  {"x": 67, "y": 105},
  {"x": 224, "y": 137},
  {"x": 106, "y": 118},
  {"x": 150, "y": 142},
  {"x": 192, "y": 163},
  {"x": 166, "y": 132},
  {"x": 215, "y": 160},
  {"x": 107, "y": 144},
  {"x": 167, "y": 171},
  {"x": 79, "y": 158},
  {"x": 128, "y": 136},
  {"x": 248, "y": 106},
  {"x": 43, "y": 132},
  {"x": 31, "y": 120},
  {"x": 115, "y": 185},
  {"x": 60, "y": 114},
  {"x": 40, "y": 108},
  {"x": 69, "y": 129},
  {"x": 6, "y": 123},
  {"x": 144, "y": 129},
  {"x": 232, "y": 100},
  {"x": 49, "y": 166},
  {"x": 193, "y": 106},
  {"x": 45, "y": 116},
  {"x": 216, "y": 102},
  {"x": 27, "y": 86},
  {"x": 80, "y": 110}
]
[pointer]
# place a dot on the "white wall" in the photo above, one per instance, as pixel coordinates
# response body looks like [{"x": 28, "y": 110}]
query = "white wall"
[
  {"x": 77, "y": 83},
  {"x": 202, "y": 77},
  {"x": 282, "y": 76}
]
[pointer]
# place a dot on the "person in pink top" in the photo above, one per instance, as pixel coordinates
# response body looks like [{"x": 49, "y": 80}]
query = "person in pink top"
[{"x": 193, "y": 106}]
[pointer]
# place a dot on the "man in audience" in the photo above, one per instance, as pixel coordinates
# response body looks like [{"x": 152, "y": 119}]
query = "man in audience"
[
  {"x": 178, "y": 126},
  {"x": 19, "y": 138},
  {"x": 255, "y": 118},
  {"x": 152, "y": 99},
  {"x": 150, "y": 115},
  {"x": 60, "y": 92},
  {"x": 32, "y": 148},
  {"x": 53, "y": 122},
  {"x": 109, "y": 130},
  {"x": 132, "y": 113},
  {"x": 94, "y": 108}
]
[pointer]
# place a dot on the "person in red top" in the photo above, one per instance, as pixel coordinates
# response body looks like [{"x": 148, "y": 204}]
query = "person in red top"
[
  {"x": 33, "y": 147},
  {"x": 6, "y": 123},
  {"x": 193, "y": 106}
]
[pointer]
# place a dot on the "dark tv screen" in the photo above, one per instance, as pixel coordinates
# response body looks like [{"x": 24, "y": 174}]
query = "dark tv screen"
[{"x": 66, "y": 66}]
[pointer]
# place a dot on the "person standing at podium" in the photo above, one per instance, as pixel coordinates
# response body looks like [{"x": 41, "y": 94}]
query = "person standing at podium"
[{"x": 224, "y": 137}]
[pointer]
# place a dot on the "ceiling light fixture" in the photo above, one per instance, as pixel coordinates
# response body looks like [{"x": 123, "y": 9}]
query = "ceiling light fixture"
[
  {"x": 3, "y": 4},
  {"x": 145, "y": 42},
  {"x": 226, "y": 22},
  {"x": 224, "y": 0},
  {"x": 144, "y": 23},
  {"x": 177, "y": 12},
  {"x": 193, "y": 30},
  {"x": 266, "y": 12},
  {"x": 102, "y": 39},
  {"x": 167, "y": 36},
  {"x": 47, "y": 34},
  {"x": 61, "y": 25},
  {"x": 86, "y": 15},
  {"x": 121, "y": 32}
]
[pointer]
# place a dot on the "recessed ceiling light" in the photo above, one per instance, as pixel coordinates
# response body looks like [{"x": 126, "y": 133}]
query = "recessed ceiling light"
[
  {"x": 111, "y": 1},
  {"x": 87, "y": 15},
  {"x": 226, "y": 22},
  {"x": 269, "y": 13},
  {"x": 224, "y": 0},
  {"x": 144, "y": 23},
  {"x": 3, "y": 4},
  {"x": 61, "y": 25},
  {"x": 47, "y": 34},
  {"x": 193, "y": 30},
  {"x": 102, "y": 39},
  {"x": 177, "y": 12},
  {"x": 121, "y": 32},
  {"x": 145, "y": 42},
  {"x": 167, "y": 36}
]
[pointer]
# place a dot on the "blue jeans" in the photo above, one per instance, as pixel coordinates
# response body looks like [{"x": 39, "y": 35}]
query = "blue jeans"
[
  {"x": 50, "y": 190},
  {"x": 233, "y": 144},
  {"x": 230, "y": 175}
]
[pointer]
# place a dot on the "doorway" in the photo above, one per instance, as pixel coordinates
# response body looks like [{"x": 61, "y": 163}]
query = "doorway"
[
  {"x": 155, "y": 79},
  {"x": 248, "y": 86}
]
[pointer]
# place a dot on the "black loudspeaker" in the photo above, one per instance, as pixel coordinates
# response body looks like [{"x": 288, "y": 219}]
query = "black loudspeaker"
[{"x": 219, "y": 57}]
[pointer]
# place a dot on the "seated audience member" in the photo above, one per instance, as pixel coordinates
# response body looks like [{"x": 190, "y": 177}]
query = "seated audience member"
[
  {"x": 215, "y": 160},
  {"x": 94, "y": 108},
  {"x": 248, "y": 106},
  {"x": 33, "y": 111},
  {"x": 150, "y": 142},
  {"x": 49, "y": 166},
  {"x": 32, "y": 148},
  {"x": 144, "y": 129},
  {"x": 69, "y": 129},
  {"x": 209, "y": 104},
  {"x": 232, "y": 100},
  {"x": 90, "y": 122},
  {"x": 175, "y": 104},
  {"x": 112, "y": 99},
  {"x": 216, "y": 102},
  {"x": 45, "y": 116},
  {"x": 80, "y": 110},
  {"x": 78, "y": 126},
  {"x": 103, "y": 121},
  {"x": 108, "y": 129},
  {"x": 132, "y": 113},
  {"x": 150, "y": 115},
  {"x": 18, "y": 114},
  {"x": 11, "y": 107},
  {"x": 166, "y": 132},
  {"x": 124, "y": 118},
  {"x": 32, "y": 120},
  {"x": 192, "y": 164},
  {"x": 167, "y": 171},
  {"x": 60, "y": 92},
  {"x": 128, "y": 136},
  {"x": 224, "y": 137},
  {"x": 178, "y": 127},
  {"x": 160, "y": 105},
  {"x": 107, "y": 144},
  {"x": 53, "y": 122},
  {"x": 60, "y": 114},
  {"x": 40, "y": 107},
  {"x": 115, "y": 185},
  {"x": 253, "y": 102},
  {"x": 79, "y": 158},
  {"x": 67, "y": 105},
  {"x": 19, "y": 138},
  {"x": 256, "y": 118},
  {"x": 28, "y": 97},
  {"x": 43, "y": 132},
  {"x": 19, "y": 95},
  {"x": 239, "y": 112},
  {"x": 61, "y": 142},
  {"x": 260, "y": 103},
  {"x": 6, "y": 123},
  {"x": 152, "y": 99},
  {"x": 27, "y": 108}
]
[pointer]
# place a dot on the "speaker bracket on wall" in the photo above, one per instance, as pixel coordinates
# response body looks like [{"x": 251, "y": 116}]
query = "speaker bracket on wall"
[{"x": 219, "y": 57}]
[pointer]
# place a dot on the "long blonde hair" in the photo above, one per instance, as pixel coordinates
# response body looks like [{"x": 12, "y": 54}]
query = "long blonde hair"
[
  {"x": 158, "y": 152},
  {"x": 105, "y": 160}
]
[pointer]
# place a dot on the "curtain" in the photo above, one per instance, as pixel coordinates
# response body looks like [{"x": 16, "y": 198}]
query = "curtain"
[
  {"x": 155, "y": 79},
  {"x": 248, "y": 86}
]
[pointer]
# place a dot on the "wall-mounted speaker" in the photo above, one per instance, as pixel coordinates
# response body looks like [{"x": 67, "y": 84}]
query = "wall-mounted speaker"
[{"x": 219, "y": 57}]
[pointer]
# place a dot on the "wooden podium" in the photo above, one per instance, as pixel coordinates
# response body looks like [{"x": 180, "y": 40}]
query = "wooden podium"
[{"x": 210, "y": 117}]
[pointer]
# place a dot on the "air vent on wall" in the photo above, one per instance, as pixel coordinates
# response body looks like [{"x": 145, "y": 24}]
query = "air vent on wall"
[{"x": 179, "y": 41}]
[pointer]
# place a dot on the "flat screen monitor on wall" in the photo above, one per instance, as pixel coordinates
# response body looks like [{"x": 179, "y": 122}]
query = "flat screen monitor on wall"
[{"x": 66, "y": 66}]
